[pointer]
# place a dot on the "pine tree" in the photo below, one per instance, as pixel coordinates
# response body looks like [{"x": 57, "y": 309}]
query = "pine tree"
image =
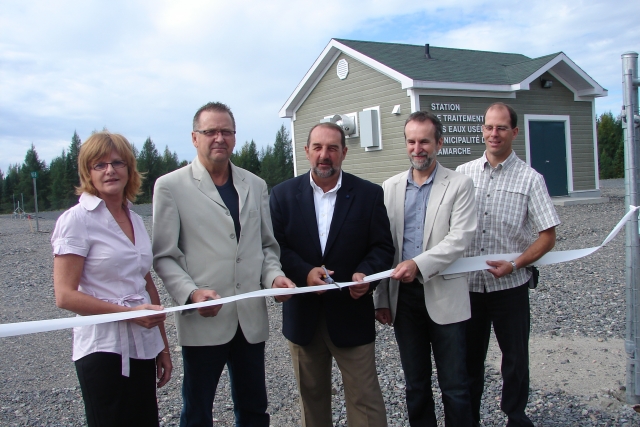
[
  {"x": 32, "y": 163},
  {"x": 610, "y": 146},
  {"x": 3, "y": 208},
  {"x": 72, "y": 179},
  {"x": 247, "y": 158},
  {"x": 283, "y": 152},
  {"x": 149, "y": 163},
  {"x": 10, "y": 186},
  {"x": 269, "y": 168},
  {"x": 169, "y": 161},
  {"x": 59, "y": 188}
]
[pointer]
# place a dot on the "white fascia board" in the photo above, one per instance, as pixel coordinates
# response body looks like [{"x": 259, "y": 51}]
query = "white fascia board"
[
  {"x": 424, "y": 84},
  {"x": 595, "y": 143},
  {"x": 596, "y": 90},
  {"x": 593, "y": 92},
  {"x": 596, "y": 87},
  {"x": 579, "y": 95},
  {"x": 566, "y": 84},
  {"x": 381, "y": 68},
  {"x": 293, "y": 148},
  {"x": 414, "y": 100},
  {"x": 540, "y": 71},
  {"x": 321, "y": 66},
  {"x": 309, "y": 81},
  {"x": 471, "y": 94}
]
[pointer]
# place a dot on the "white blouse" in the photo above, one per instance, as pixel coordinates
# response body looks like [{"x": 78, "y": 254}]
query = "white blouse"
[{"x": 114, "y": 271}]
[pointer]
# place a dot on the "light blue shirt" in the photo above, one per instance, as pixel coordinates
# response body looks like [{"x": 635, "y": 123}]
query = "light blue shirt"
[{"x": 415, "y": 207}]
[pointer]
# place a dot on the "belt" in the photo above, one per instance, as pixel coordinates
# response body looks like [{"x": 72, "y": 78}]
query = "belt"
[{"x": 124, "y": 327}]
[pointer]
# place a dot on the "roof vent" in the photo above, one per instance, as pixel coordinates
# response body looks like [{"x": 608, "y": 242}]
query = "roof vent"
[
  {"x": 342, "y": 69},
  {"x": 426, "y": 51}
]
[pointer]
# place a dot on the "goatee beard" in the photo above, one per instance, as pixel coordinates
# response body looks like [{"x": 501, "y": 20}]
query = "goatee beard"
[
  {"x": 423, "y": 165},
  {"x": 324, "y": 173}
]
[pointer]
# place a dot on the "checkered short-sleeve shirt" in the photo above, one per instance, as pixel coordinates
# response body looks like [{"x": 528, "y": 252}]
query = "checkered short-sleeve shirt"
[{"x": 513, "y": 203}]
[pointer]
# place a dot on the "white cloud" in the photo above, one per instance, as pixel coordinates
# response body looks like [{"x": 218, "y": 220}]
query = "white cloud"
[{"x": 142, "y": 68}]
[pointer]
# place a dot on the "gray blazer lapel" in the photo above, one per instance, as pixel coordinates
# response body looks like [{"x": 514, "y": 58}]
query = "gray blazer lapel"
[
  {"x": 440, "y": 184},
  {"x": 240, "y": 184},
  {"x": 205, "y": 183}
]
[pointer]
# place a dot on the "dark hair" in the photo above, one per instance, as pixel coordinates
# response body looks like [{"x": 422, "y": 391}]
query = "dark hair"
[
  {"x": 330, "y": 126},
  {"x": 213, "y": 106},
  {"x": 512, "y": 113},
  {"x": 423, "y": 116}
]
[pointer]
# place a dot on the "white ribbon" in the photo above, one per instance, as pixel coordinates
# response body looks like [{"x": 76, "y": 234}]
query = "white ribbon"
[{"x": 462, "y": 265}]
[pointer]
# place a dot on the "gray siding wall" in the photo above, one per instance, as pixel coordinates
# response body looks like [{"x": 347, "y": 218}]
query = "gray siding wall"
[
  {"x": 555, "y": 101},
  {"x": 363, "y": 88}
]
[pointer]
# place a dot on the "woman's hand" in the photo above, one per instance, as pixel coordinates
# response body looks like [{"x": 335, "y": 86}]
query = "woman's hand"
[
  {"x": 163, "y": 367},
  {"x": 149, "y": 321}
]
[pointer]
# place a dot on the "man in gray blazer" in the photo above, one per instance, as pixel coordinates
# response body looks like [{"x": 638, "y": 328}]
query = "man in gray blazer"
[
  {"x": 432, "y": 214},
  {"x": 212, "y": 238}
]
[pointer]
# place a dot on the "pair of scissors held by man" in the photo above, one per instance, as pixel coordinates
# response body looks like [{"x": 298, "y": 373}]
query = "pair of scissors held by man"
[{"x": 327, "y": 277}]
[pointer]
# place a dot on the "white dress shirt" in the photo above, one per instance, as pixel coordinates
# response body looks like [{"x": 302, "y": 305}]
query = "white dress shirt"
[
  {"x": 114, "y": 271},
  {"x": 324, "y": 203}
]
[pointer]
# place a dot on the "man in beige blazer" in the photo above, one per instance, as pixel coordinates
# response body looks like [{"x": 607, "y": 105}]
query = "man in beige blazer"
[
  {"x": 433, "y": 219},
  {"x": 212, "y": 238}
]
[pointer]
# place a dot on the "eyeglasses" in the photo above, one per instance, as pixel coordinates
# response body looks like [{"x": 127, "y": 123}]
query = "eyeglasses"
[
  {"x": 490, "y": 128},
  {"x": 226, "y": 133},
  {"x": 116, "y": 164}
]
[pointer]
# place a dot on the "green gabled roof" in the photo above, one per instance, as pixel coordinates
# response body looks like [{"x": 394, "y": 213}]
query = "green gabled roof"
[{"x": 450, "y": 65}]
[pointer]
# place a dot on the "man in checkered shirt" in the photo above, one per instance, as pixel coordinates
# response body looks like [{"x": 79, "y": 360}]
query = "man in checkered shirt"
[{"x": 513, "y": 203}]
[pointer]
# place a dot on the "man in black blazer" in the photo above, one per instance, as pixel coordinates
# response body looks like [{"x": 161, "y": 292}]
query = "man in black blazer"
[{"x": 330, "y": 218}]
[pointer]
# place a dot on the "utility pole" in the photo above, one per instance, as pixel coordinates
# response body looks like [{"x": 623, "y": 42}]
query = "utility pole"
[
  {"x": 630, "y": 122},
  {"x": 34, "y": 175}
]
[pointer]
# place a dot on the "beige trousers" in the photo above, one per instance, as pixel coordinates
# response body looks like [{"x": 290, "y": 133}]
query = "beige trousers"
[{"x": 312, "y": 367}]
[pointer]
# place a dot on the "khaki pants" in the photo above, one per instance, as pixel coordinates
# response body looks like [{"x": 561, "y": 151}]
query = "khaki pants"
[{"x": 312, "y": 367}]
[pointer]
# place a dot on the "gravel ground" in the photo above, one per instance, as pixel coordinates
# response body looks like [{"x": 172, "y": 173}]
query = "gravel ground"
[{"x": 577, "y": 349}]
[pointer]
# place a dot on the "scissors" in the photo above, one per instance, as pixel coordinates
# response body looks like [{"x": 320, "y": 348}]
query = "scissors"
[{"x": 326, "y": 277}]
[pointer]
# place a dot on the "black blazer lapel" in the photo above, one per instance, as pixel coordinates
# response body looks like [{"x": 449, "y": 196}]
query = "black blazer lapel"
[{"x": 308, "y": 211}]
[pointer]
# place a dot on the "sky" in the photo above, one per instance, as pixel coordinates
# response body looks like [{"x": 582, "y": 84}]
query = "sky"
[{"x": 142, "y": 68}]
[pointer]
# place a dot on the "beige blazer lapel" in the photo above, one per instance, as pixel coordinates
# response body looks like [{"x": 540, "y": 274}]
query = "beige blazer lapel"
[
  {"x": 240, "y": 184},
  {"x": 205, "y": 183},
  {"x": 440, "y": 184}
]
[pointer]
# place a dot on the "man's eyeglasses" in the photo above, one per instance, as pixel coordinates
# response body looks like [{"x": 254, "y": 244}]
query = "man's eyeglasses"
[
  {"x": 117, "y": 164},
  {"x": 226, "y": 133},
  {"x": 490, "y": 128}
]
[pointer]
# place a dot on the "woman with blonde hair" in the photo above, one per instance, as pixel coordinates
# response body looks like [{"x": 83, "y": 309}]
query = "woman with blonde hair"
[{"x": 102, "y": 265}]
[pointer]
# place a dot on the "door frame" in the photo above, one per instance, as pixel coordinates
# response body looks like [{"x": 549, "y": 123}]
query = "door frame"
[{"x": 567, "y": 138}]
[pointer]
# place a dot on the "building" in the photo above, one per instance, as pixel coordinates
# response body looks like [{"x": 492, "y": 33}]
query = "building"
[{"x": 370, "y": 89}]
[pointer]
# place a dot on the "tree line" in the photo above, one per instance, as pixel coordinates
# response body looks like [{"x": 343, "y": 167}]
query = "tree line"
[
  {"x": 610, "y": 146},
  {"x": 56, "y": 182}
]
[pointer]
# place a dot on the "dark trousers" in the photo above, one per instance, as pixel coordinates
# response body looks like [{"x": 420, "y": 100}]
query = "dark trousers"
[
  {"x": 508, "y": 310},
  {"x": 113, "y": 400},
  {"x": 202, "y": 369},
  {"x": 417, "y": 335}
]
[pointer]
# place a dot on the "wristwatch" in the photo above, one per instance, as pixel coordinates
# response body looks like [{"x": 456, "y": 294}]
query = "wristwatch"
[{"x": 515, "y": 267}]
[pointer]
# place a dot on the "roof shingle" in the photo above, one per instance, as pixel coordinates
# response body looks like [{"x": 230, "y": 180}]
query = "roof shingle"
[{"x": 451, "y": 65}]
